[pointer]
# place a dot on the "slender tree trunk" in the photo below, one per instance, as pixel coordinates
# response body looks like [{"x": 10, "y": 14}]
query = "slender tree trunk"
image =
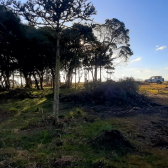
[
  {"x": 7, "y": 83},
  {"x": 28, "y": 81},
  {"x": 95, "y": 73},
  {"x": 100, "y": 73},
  {"x": 41, "y": 82},
  {"x": 78, "y": 76},
  {"x": 21, "y": 80},
  {"x": 53, "y": 81},
  {"x": 69, "y": 79},
  {"x": 56, "y": 83},
  {"x": 47, "y": 77},
  {"x": 1, "y": 85},
  {"x": 36, "y": 82},
  {"x": 75, "y": 78},
  {"x": 95, "y": 67}
]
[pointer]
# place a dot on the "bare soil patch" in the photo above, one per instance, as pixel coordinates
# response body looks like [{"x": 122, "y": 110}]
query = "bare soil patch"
[
  {"x": 158, "y": 98},
  {"x": 147, "y": 125}
]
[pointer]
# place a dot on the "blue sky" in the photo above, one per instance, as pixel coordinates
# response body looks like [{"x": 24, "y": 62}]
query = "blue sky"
[{"x": 147, "y": 21}]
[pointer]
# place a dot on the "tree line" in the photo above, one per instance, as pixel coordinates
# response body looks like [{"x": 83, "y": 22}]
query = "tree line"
[{"x": 46, "y": 45}]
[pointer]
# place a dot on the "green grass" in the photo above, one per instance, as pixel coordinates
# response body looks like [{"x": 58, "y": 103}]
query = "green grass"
[{"x": 28, "y": 137}]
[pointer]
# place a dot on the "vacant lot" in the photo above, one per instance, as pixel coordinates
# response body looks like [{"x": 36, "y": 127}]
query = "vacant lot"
[{"x": 88, "y": 135}]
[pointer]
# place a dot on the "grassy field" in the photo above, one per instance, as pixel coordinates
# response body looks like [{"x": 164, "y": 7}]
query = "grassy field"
[{"x": 28, "y": 137}]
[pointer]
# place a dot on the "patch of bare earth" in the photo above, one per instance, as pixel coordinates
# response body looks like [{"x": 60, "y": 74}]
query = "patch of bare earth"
[
  {"x": 150, "y": 124},
  {"x": 147, "y": 125},
  {"x": 158, "y": 98}
]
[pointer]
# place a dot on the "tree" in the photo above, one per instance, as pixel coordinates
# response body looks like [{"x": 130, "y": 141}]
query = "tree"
[
  {"x": 112, "y": 43},
  {"x": 54, "y": 13},
  {"x": 72, "y": 49},
  {"x": 9, "y": 31}
]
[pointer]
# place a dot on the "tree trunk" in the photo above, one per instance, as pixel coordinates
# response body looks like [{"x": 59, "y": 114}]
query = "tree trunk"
[
  {"x": 56, "y": 83},
  {"x": 52, "y": 83},
  {"x": 41, "y": 82},
  {"x": 21, "y": 80},
  {"x": 47, "y": 77},
  {"x": 75, "y": 78},
  {"x": 95, "y": 73},
  {"x": 52, "y": 79},
  {"x": 69, "y": 80},
  {"x": 7, "y": 83},
  {"x": 28, "y": 81},
  {"x": 1, "y": 84},
  {"x": 36, "y": 82},
  {"x": 95, "y": 67}
]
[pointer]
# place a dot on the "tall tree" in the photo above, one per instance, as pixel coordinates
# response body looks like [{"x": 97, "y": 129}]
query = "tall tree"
[
  {"x": 72, "y": 48},
  {"x": 54, "y": 13},
  {"x": 9, "y": 31},
  {"x": 112, "y": 42}
]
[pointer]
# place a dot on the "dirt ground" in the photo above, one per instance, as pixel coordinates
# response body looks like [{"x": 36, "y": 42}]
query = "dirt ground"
[
  {"x": 148, "y": 125},
  {"x": 158, "y": 98},
  {"x": 152, "y": 124}
]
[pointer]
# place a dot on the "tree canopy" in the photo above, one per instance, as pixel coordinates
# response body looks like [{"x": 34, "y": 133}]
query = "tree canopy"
[{"x": 46, "y": 46}]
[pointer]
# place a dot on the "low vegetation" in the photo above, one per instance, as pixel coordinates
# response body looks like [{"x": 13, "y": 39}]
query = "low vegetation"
[
  {"x": 96, "y": 134},
  {"x": 122, "y": 93}
]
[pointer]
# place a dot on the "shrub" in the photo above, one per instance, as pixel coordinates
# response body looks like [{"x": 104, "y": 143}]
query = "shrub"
[
  {"x": 114, "y": 93},
  {"x": 91, "y": 85}
]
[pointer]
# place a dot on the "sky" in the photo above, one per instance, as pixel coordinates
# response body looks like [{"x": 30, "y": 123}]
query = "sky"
[{"x": 147, "y": 21}]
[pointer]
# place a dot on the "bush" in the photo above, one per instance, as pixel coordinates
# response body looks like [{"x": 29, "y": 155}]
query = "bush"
[
  {"x": 114, "y": 93},
  {"x": 91, "y": 85}
]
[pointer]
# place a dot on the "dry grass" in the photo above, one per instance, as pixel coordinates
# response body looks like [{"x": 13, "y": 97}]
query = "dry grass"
[
  {"x": 154, "y": 88},
  {"x": 156, "y": 92}
]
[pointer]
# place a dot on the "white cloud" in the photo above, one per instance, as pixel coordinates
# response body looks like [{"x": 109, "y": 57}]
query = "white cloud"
[
  {"x": 157, "y": 46},
  {"x": 166, "y": 68},
  {"x": 161, "y": 48},
  {"x": 136, "y": 60}
]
